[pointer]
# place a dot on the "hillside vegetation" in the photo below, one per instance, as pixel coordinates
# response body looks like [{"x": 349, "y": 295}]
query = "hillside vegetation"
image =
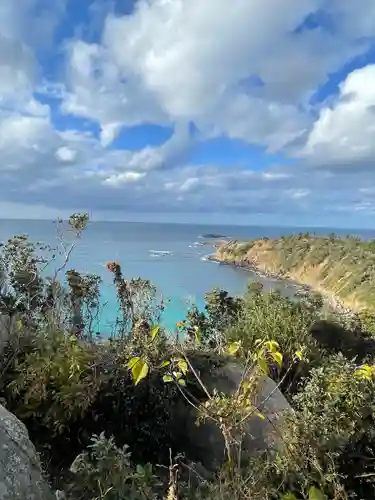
[
  {"x": 344, "y": 267},
  {"x": 108, "y": 416}
]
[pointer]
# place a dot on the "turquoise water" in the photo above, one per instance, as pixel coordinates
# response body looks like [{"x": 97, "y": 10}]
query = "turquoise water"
[{"x": 181, "y": 274}]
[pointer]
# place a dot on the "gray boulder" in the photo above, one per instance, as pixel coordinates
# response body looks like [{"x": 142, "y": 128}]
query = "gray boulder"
[
  {"x": 206, "y": 443},
  {"x": 20, "y": 470}
]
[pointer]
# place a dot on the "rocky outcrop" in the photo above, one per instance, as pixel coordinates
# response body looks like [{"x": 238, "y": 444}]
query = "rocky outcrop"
[
  {"x": 20, "y": 471},
  {"x": 205, "y": 443}
]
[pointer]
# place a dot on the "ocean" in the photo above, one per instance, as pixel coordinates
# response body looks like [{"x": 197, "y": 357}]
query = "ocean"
[{"x": 169, "y": 255}]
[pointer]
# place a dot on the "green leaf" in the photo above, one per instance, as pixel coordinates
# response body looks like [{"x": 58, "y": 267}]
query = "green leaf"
[
  {"x": 140, "y": 470},
  {"x": 278, "y": 358},
  {"x": 19, "y": 324},
  {"x": 139, "y": 368},
  {"x": 167, "y": 378},
  {"x": 182, "y": 382},
  {"x": 233, "y": 348},
  {"x": 177, "y": 375},
  {"x": 289, "y": 496},
  {"x": 164, "y": 364},
  {"x": 155, "y": 332},
  {"x": 316, "y": 494},
  {"x": 183, "y": 366}
]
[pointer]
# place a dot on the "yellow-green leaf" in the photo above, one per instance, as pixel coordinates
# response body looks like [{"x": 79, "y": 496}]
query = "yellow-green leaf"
[
  {"x": 133, "y": 361},
  {"x": 164, "y": 364},
  {"x": 263, "y": 365},
  {"x": 260, "y": 415},
  {"x": 183, "y": 366},
  {"x": 298, "y": 355},
  {"x": 177, "y": 375},
  {"x": 154, "y": 332},
  {"x": 272, "y": 345},
  {"x": 167, "y": 378},
  {"x": 182, "y": 382},
  {"x": 19, "y": 324},
  {"x": 233, "y": 348},
  {"x": 245, "y": 385},
  {"x": 316, "y": 494},
  {"x": 139, "y": 369},
  {"x": 364, "y": 372},
  {"x": 278, "y": 358}
]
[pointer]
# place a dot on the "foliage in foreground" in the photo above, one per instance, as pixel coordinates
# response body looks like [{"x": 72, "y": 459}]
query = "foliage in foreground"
[{"x": 107, "y": 416}]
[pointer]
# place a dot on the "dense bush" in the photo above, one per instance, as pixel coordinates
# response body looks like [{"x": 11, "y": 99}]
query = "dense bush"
[{"x": 106, "y": 414}]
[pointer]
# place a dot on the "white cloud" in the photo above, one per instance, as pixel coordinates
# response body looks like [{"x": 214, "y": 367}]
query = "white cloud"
[
  {"x": 97, "y": 90},
  {"x": 66, "y": 154},
  {"x": 241, "y": 71},
  {"x": 196, "y": 60},
  {"x": 118, "y": 180},
  {"x": 298, "y": 193},
  {"x": 344, "y": 133}
]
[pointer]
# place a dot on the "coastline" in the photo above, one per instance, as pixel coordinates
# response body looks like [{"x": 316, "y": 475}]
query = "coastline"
[{"x": 332, "y": 302}]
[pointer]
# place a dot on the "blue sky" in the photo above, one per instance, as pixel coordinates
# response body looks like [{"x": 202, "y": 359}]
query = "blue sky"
[{"x": 259, "y": 112}]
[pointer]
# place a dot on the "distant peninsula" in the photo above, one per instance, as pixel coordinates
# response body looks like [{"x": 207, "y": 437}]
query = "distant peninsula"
[{"x": 340, "y": 267}]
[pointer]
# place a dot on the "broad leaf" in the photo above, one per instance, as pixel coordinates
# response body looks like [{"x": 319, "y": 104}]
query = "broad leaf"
[
  {"x": 233, "y": 348},
  {"x": 167, "y": 378},
  {"x": 316, "y": 494},
  {"x": 183, "y": 366},
  {"x": 263, "y": 365},
  {"x": 272, "y": 345},
  {"x": 133, "y": 361},
  {"x": 155, "y": 332},
  {"x": 164, "y": 364},
  {"x": 278, "y": 358},
  {"x": 139, "y": 369}
]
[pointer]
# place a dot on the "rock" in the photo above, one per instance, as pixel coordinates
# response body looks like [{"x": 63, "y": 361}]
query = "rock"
[
  {"x": 20, "y": 470},
  {"x": 205, "y": 443}
]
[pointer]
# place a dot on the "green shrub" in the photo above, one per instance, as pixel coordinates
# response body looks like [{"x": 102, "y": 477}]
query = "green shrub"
[{"x": 105, "y": 471}]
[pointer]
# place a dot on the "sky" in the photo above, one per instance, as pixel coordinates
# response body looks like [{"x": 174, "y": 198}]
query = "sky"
[{"x": 214, "y": 111}]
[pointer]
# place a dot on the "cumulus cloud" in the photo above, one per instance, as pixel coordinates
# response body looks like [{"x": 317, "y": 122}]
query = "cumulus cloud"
[
  {"x": 65, "y": 154},
  {"x": 247, "y": 71},
  {"x": 344, "y": 133}
]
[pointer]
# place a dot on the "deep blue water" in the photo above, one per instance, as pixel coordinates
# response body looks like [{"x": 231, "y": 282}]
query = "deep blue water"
[{"x": 181, "y": 276}]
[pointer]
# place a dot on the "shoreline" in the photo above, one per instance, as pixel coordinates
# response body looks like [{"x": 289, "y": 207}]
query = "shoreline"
[{"x": 333, "y": 303}]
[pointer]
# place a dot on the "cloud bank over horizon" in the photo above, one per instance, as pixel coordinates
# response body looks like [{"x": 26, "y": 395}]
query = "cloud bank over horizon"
[{"x": 260, "y": 111}]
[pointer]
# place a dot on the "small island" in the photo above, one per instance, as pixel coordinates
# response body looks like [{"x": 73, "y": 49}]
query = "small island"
[{"x": 212, "y": 236}]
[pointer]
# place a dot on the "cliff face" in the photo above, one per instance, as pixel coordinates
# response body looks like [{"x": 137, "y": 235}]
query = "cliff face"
[{"x": 341, "y": 267}]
